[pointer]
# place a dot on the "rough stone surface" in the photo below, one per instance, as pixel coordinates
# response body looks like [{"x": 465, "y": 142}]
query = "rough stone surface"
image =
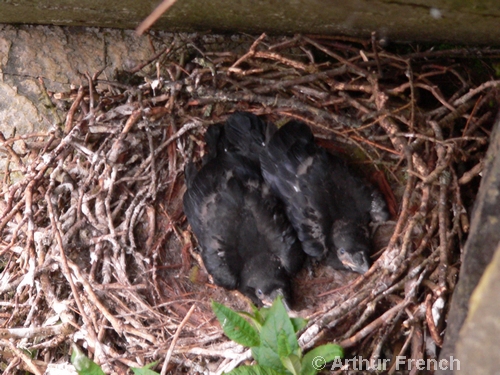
[
  {"x": 16, "y": 110},
  {"x": 473, "y": 22},
  {"x": 60, "y": 57},
  {"x": 479, "y": 251}
]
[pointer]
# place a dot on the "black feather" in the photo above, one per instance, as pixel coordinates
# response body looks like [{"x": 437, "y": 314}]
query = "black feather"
[
  {"x": 329, "y": 206},
  {"x": 245, "y": 134},
  {"x": 246, "y": 239}
]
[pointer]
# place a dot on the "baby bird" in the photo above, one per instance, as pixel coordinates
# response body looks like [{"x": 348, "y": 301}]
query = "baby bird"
[
  {"x": 328, "y": 205},
  {"x": 246, "y": 240}
]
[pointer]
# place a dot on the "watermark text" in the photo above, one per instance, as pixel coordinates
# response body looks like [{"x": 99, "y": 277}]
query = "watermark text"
[{"x": 399, "y": 362}]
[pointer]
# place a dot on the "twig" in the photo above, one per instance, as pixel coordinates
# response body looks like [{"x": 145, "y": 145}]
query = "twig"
[
  {"x": 12, "y": 153},
  {"x": 153, "y": 17},
  {"x": 71, "y": 113},
  {"x": 235, "y": 362},
  {"x": 38, "y": 332},
  {"x": 357, "y": 69},
  {"x": 165, "y": 51},
  {"x": 250, "y": 53},
  {"x": 383, "y": 319},
  {"x": 471, "y": 173},
  {"x": 174, "y": 339},
  {"x": 476, "y": 91},
  {"x": 430, "y": 321},
  {"x": 67, "y": 273},
  {"x": 22, "y": 356}
]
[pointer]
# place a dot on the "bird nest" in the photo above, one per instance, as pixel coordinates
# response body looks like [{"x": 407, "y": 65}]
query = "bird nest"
[{"x": 96, "y": 250}]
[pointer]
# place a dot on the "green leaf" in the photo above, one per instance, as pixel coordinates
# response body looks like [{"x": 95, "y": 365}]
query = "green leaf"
[
  {"x": 259, "y": 316},
  {"x": 256, "y": 320},
  {"x": 235, "y": 327},
  {"x": 292, "y": 364},
  {"x": 84, "y": 365},
  {"x": 277, "y": 338},
  {"x": 298, "y": 323},
  {"x": 284, "y": 349},
  {"x": 277, "y": 324},
  {"x": 264, "y": 313},
  {"x": 254, "y": 308},
  {"x": 267, "y": 357},
  {"x": 315, "y": 360},
  {"x": 145, "y": 370},
  {"x": 255, "y": 370}
]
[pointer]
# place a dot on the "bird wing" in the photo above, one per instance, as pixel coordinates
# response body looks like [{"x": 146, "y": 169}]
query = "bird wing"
[
  {"x": 295, "y": 171},
  {"x": 358, "y": 200},
  {"x": 212, "y": 207},
  {"x": 278, "y": 237}
]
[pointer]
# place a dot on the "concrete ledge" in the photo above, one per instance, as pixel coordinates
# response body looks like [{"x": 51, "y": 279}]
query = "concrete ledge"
[{"x": 405, "y": 20}]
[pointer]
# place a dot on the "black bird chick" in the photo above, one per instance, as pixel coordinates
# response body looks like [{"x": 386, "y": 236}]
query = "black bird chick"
[
  {"x": 246, "y": 239},
  {"x": 246, "y": 135},
  {"x": 329, "y": 206}
]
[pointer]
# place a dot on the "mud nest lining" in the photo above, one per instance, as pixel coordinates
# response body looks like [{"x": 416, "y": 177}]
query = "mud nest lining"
[{"x": 96, "y": 250}]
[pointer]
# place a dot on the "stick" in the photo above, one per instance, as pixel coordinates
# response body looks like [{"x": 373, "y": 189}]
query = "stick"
[
  {"x": 174, "y": 340},
  {"x": 153, "y": 17}
]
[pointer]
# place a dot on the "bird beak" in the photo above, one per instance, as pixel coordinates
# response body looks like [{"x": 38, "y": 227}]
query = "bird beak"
[
  {"x": 268, "y": 300},
  {"x": 356, "y": 262}
]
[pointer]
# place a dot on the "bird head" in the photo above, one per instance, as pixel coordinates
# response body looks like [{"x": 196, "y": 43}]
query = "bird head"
[
  {"x": 262, "y": 280},
  {"x": 351, "y": 244},
  {"x": 268, "y": 299}
]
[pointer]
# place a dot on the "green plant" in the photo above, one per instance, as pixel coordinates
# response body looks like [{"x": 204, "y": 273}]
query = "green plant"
[
  {"x": 273, "y": 341},
  {"x": 85, "y": 366}
]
